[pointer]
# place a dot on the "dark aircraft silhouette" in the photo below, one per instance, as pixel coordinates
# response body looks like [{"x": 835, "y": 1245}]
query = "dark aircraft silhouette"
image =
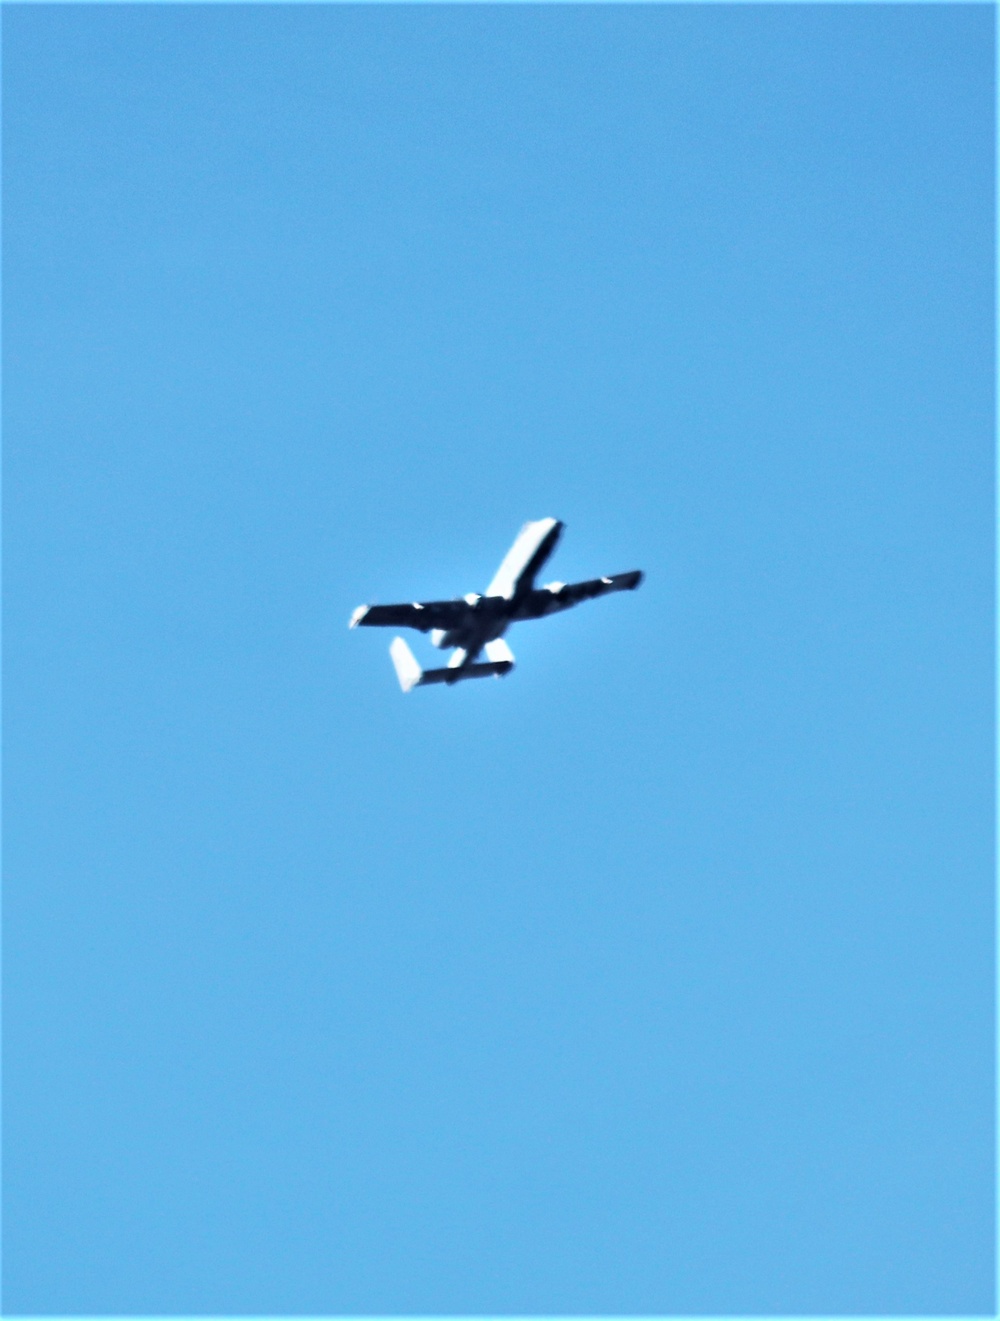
[{"x": 473, "y": 624}]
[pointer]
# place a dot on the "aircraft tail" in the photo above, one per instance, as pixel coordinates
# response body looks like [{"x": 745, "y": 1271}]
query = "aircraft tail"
[
  {"x": 408, "y": 670},
  {"x": 410, "y": 675}
]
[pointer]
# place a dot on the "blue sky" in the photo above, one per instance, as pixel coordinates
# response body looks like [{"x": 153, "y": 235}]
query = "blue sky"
[{"x": 657, "y": 977}]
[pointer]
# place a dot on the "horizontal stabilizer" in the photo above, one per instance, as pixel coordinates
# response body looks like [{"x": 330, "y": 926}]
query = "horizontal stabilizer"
[
  {"x": 410, "y": 675},
  {"x": 478, "y": 670}
]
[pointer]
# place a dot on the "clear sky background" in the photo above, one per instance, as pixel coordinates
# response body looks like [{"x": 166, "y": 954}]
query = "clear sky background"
[{"x": 657, "y": 977}]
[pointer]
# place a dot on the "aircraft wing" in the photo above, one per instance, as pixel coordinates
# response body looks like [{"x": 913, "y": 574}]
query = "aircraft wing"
[
  {"x": 571, "y": 593},
  {"x": 560, "y": 596},
  {"x": 423, "y": 615}
]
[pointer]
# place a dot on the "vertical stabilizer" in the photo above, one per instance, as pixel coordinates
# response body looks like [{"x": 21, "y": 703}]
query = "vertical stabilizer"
[
  {"x": 408, "y": 670},
  {"x": 500, "y": 654}
]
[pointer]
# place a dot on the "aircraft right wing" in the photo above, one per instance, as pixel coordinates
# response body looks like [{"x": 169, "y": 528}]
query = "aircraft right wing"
[{"x": 422, "y": 615}]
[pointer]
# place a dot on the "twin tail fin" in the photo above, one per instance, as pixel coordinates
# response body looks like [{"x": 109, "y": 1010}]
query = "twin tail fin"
[{"x": 410, "y": 675}]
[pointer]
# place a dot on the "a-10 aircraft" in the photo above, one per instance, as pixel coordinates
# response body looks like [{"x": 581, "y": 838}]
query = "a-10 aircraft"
[{"x": 473, "y": 624}]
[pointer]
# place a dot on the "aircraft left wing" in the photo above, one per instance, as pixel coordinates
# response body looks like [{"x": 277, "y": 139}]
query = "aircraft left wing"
[
  {"x": 560, "y": 596},
  {"x": 573, "y": 593},
  {"x": 422, "y": 615}
]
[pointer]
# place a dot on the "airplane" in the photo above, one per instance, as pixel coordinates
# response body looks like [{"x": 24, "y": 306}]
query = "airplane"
[{"x": 473, "y": 624}]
